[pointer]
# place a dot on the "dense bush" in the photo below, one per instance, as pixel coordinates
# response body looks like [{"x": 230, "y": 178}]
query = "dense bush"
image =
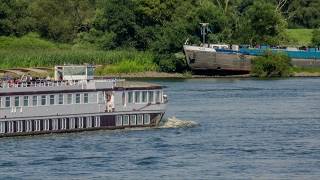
[{"x": 271, "y": 65}]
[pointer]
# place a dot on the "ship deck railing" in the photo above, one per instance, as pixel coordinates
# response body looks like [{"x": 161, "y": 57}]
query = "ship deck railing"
[
  {"x": 40, "y": 84},
  {"x": 49, "y": 83}
]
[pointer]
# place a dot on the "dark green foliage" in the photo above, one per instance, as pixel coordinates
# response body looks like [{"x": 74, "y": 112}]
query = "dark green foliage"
[
  {"x": 316, "y": 38},
  {"x": 261, "y": 24},
  {"x": 271, "y": 65},
  {"x": 15, "y": 18},
  {"x": 61, "y": 20},
  {"x": 303, "y": 13},
  {"x": 157, "y": 26}
]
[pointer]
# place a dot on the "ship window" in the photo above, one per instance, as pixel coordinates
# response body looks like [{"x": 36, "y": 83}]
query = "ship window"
[
  {"x": 46, "y": 125},
  {"x": 133, "y": 119},
  {"x": 151, "y": 97},
  {"x": 137, "y": 96},
  {"x": 51, "y": 99},
  {"x": 19, "y": 126},
  {"x": 85, "y": 98},
  {"x": 158, "y": 96},
  {"x": 77, "y": 98},
  {"x": 0, "y": 102},
  {"x": 29, "y": 126},
  {"x": 97, "y": 121},
  {"x": 72, "y": 122},
  {"x": 80, "y": 122},
  {"x": 60, "y": 99},
  {"x": 144, "y": 96},
  {"x": 146, "y": 119},
  {"x": 26, "y": 101},
  {"x": 8, "y": 101},
  {"x": 125, "y": 120},
  {"x": 130, "y": 97},
  {"x": 43, "y": 100},
  {"x": 123, "y": 98},
  {"x": 63, "y": 123},
  {"x": 34, "y": 100},
  {"x": 2, "y": 127},
  {"x": 88, "y": 122},
  {"x": 119, "y": 120},
  {"x": 37, "y": 125},
  {"x": 69, "y": 99},
  {"x": 140, "y": 119},
  {"x": 55, "y": 124},
  {"x": 74, "y": 71},
  {"x": 16, "y": 101},
  {"x": 90, "y": 71}
]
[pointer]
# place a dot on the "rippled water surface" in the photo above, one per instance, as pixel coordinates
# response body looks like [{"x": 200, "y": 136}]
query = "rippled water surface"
[{"x": 217, "y": 129}]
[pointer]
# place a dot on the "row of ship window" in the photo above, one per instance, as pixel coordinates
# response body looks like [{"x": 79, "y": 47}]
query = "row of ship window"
[
  {"x": 69, "y": 123},
  {"x": 141, "y": 97},
  {"x": 132, "y": 120},
  {"x": 49, "y": 124},
  {"x": 78, "y": 98},
  {"x": 43, "y": 100}
]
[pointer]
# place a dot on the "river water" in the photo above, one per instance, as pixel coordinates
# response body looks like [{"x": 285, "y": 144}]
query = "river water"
[{"x": 215, "y": 129}]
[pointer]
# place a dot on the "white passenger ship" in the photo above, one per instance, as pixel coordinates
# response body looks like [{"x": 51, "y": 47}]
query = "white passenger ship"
[{"x": 75, "y": 101}]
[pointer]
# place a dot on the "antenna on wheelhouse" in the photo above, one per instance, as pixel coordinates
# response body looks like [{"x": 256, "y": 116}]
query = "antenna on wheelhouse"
[{"x": 204, "y": 30}]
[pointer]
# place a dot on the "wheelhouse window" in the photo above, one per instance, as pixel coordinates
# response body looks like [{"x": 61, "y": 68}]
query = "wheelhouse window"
[
  {"x": 43, "y": 100},
  {"x": 60, "y": 99},
  {"x": 144, "y": 96},
  {"x": 85, "y": 98},
  {"x": 77, "y": 98},
  {"x": 69, "y": 99},
  {"x": 17, "y": 101},
  {"x": 0, "y": 102},
  {"x": 51, "y": 99},
  {"x": 26, "y": 101},
  {"x": 34, "y": 100},
  {"x": 130, "y": 97},
  {"x": 8, "y": 101},
  {"x": 137, "y": 96}
]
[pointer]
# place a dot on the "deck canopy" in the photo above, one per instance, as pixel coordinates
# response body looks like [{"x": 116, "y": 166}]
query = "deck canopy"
[{"x": 73, "y": 72}]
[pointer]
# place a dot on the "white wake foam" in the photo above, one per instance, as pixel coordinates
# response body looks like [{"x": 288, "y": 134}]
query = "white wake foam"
[{"x": 173, "y": 122}]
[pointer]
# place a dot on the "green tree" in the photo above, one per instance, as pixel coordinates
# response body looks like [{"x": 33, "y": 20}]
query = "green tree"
[
  {"x": 62, "y": 20},
  {"x": 261, "y": 23},
  {"x": 303, "y": 13},
  {"x": 117, "y": 17},
  {"x": 15, "y": 18}
]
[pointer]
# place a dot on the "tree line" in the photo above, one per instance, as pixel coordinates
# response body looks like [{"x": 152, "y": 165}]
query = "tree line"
[{"x": 159, "y": 26}]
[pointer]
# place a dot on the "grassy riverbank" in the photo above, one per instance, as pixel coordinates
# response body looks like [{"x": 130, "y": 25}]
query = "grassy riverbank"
[
  {"x": 31, "y": 51},
  {"x": 299, "y": 37}
]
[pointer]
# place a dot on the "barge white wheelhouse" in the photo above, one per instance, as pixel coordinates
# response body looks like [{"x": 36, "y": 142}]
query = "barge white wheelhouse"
[{"x": 75, "y": 101}]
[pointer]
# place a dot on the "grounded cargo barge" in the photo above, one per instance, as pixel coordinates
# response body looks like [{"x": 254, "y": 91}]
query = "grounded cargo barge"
[
  {"x": 74, "y": 101},
  {"x": 216, "y": 57}
]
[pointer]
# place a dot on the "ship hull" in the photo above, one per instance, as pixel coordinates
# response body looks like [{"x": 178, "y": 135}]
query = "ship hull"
[
  {"x": 217, "y": 62},
  {"x": 199, "y": 61}
]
